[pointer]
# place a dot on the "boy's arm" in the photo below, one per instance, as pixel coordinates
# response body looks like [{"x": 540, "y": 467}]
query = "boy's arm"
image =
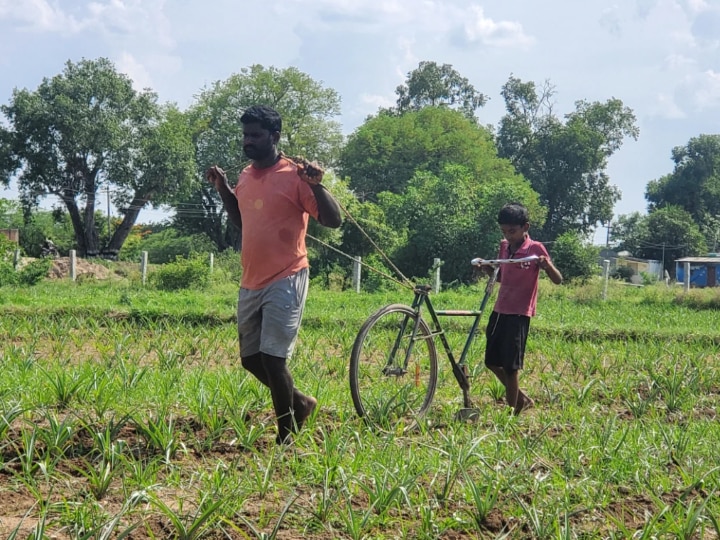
[{"x": 552, "y": 272}]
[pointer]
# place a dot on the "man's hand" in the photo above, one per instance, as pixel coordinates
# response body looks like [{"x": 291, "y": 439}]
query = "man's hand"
[
  {"x": 216, "y": 176},
  {"x": 312, "y": 173}
]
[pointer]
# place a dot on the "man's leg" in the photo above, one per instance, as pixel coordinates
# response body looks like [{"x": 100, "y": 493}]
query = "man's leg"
[
  {"x": 292, "y": 407},
  {"x": 254, "y": 365}
]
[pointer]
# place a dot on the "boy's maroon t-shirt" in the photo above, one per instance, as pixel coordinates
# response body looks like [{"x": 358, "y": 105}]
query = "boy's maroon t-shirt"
[{"x": 519, "y": 281}]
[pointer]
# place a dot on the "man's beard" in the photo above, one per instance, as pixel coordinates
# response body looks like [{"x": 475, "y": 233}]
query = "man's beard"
[{"x": 255, "y": 153}]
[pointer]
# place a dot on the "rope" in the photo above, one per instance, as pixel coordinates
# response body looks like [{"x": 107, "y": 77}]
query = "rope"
[
  {"x": 299, "y": 160},
  {"x": 408, "y": 284}
]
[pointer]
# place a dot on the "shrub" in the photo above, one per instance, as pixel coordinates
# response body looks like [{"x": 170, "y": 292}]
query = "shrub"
[
  {"x": 576, "y": 261},
  {"x": 8, "y": 275},
  {"x": 34, "y": 272},
  {"x": 191, "y": 273},
  {"x": 623, "y": 273}
]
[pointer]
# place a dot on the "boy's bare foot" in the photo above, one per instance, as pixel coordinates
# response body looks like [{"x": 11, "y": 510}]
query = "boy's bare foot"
[
  {"x": 301, "y": 415},
  {"x": 523, "y": 403}
]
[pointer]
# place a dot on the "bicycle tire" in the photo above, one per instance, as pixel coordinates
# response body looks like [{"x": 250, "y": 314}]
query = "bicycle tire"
[{"x": 386, "y": 391}]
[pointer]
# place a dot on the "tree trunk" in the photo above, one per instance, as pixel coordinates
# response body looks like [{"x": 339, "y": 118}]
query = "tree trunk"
[
  {"x": 131, "y": 214},
  {"x": 92, "y": 242},
  {"x": 77, "y": 223}
]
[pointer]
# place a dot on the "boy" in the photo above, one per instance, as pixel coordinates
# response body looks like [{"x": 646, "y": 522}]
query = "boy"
[{"x": 509, "y": 322}]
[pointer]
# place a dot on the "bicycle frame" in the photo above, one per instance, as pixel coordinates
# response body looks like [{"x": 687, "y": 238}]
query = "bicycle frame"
[{"x": 422, "y": 298}]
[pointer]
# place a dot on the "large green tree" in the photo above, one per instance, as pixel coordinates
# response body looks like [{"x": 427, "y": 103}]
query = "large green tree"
[
  {"x": 453, "y": 215},
  {"x": 85, "y": 130},
  {"x": 433, "y": 85},
  {"x": 308, "y": 110},
  {"x": 694, "y": 184},
  {"x": 664, "y": 234},
  {"x": 384, "y": 153},
  {"x": 565, "y": 160}
]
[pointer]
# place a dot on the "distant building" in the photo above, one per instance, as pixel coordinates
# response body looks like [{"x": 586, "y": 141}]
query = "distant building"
[
  {"x": 703, "y": 270},
  {"x": 638, "y": 266}
]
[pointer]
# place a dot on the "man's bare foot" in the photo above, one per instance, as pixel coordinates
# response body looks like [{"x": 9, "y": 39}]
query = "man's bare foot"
[
  {"x": 301, "y": 415},
  {"x": 523, "y": 402}
]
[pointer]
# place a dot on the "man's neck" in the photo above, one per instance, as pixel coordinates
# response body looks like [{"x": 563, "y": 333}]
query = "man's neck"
[{"x": 268, "y": 161}]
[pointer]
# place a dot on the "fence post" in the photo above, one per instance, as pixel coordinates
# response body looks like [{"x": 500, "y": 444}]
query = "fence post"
[
  {"x": 606, "y": 273},
  {"x": 16, "y": 259},
  {"x": 73, "y": 265},
  {"x": 436, "y": 266},
  {"x": 686, "y": 277},
  {"x": 212, "y": 262},
  {"x": 143, "y": 266},
  {"x": 356, "y": 273}
]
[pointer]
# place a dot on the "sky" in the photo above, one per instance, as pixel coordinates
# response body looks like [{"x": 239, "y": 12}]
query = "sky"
[{"x": 661, "y": 58}]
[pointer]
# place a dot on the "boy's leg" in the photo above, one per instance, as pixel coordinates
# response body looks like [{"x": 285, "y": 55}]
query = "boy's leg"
[{"x": 516, "y": 398}]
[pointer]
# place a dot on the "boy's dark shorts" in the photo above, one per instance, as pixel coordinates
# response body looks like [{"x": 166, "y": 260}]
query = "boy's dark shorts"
[{"x": 506, "y": 336}]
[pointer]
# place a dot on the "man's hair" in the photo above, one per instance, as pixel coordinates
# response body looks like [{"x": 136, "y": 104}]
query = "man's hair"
[
  {"x": 267, "y": 117},
  {"x": 513, "y": 214}
]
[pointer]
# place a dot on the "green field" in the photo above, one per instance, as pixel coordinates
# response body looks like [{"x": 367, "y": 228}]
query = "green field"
[{"x": 125, "y": 414}]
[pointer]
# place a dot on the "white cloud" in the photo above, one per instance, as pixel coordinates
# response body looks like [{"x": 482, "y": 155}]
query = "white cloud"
[
  {"x": 38, "y": 16},
  {"x": 707, "y": 91},
  {"x": 482, "y": 29}
]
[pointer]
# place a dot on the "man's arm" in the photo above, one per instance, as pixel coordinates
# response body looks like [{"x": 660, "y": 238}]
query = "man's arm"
[
  {"x": 329, "y": 213},
  {"x": 217, "y": 177}
]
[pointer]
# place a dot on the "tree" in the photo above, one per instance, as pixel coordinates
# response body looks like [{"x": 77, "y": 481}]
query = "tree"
[
  {"x": 665, "y": 234},
  {"x": 87, "y": 129},
  {"x": 309, "y": 129},
  {"x": 387, "y": 150},
  {"x": 564, "y": 161},
  {"x": 431, "y": 85},
  {"x": 453, "y": 216},
  {"x": 694, "y": 184}
]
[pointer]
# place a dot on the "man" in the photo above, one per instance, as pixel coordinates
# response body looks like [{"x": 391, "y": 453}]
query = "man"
[{"x": 271, "y": 204}]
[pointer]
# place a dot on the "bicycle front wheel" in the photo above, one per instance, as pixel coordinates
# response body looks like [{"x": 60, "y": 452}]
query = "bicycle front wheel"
[{"x": 393, "y": 369}]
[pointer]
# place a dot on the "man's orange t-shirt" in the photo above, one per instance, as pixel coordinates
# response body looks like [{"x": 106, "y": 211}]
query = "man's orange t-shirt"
[{"x": 274, "y": 205}]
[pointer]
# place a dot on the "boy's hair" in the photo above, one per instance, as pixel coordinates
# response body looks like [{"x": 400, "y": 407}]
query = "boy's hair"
[
  {"x": 267, "y": 117},
  {"x": 513, "y": 214}
]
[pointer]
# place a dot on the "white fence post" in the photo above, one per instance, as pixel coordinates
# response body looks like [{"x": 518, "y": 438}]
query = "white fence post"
[
  {"x": 606, "y": 273},
  {"x": 16, "y": 259},
  {"x": 436, "y": 265},
  {"x": 356, "y": 273},
  {"x": 686, "y": 277},
  {"x": 143, "y": 266},
  {"x": 212, "y": 262},
  {"x": 73, "y": 265}
]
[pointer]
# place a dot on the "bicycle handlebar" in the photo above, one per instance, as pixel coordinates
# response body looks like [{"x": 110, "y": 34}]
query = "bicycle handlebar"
[{"x": 497, "y": 262}]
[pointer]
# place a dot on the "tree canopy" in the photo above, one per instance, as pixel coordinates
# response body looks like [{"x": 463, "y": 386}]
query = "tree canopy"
[
  {"x": 86, "y": 129},
  {"x": 307, "y": 108},
  {"x": 433, "y": 85},
  {"x": 385, "y": 152},
  {"x": 565, "y": 161},
  {"x": 694, "y": 184}
]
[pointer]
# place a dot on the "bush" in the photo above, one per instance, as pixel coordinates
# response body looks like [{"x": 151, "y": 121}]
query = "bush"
[
  {"x": 34, "y": 272},
  {"x": 192, "y": 273},
  {"x": 576, "y": 261},
  {"x": 167, "y": 245},
  {"x": 624, "y": 273},
  {"x": 8, "y": 275}
]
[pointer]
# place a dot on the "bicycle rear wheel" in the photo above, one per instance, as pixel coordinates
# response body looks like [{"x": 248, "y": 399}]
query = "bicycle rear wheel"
[{"x": 393, "y": 376}]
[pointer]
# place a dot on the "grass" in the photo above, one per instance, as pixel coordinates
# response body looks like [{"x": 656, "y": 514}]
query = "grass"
[{"x": 124, "y": 412}]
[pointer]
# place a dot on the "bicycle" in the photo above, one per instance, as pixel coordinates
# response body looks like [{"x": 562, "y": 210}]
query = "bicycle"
[{"x": 394, "y": 359}]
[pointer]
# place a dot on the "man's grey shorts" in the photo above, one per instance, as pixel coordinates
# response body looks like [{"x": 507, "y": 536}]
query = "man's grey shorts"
[{"x": 268, "y": 319}]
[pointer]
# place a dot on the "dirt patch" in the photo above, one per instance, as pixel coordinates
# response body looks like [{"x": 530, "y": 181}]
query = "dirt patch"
[{"x": 61, "y": 269}]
